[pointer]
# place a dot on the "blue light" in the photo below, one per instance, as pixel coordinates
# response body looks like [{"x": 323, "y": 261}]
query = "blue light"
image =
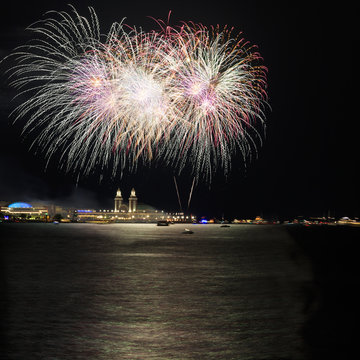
[
  {"x": 84, "y": 211},
  {"x": 204, "y": 221},
  {"x": 18, "y": 205}
]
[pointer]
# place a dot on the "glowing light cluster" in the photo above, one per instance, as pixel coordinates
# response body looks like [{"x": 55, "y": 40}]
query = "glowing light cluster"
[
  {"x": 181, "y": 96},
  {"x": 18, "y": 205}
]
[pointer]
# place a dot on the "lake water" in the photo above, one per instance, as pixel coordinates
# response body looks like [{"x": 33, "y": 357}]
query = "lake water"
[{"x": 139, "y": 291}]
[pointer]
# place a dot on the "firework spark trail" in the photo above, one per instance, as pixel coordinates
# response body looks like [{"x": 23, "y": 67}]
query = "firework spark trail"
[
  {"x": 185, "y": 97},
  {"x": 221, "y": 94}
]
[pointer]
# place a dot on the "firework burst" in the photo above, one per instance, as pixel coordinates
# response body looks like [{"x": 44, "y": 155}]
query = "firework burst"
[
  {"x": 186, "y": 97},
  {"x": 221, "y": 93}
]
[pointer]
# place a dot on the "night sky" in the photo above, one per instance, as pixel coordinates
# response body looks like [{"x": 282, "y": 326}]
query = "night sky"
[{"x": 308, "y": 162}]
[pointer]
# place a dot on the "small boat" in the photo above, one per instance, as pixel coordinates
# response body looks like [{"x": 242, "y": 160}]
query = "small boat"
[
  {"x": 187, "y": 231},
  {"x": 162, "y": 223},
  {"x": 224, "y": 225},
  {"x": 55, "y": 222}
]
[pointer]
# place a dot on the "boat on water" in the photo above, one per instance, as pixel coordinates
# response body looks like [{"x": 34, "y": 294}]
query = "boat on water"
[
  {"x": 188, "y": 231},
  {"x": 224, "y": 225},
  {"x": 162, "y": 223}
]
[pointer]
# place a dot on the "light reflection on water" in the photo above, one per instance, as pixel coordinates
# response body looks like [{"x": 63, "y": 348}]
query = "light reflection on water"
[{"x": 132, "y": 291}]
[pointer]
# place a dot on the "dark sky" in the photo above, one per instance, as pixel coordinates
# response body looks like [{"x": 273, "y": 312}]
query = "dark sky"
[{"x": 307, "y": 164}]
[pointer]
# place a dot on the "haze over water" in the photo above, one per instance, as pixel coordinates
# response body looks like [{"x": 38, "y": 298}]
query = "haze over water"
[{"x": 138, "y": 291}]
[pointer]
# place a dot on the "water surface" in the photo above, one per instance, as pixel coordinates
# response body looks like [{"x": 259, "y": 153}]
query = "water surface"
[{"x": 138, "y": 291}]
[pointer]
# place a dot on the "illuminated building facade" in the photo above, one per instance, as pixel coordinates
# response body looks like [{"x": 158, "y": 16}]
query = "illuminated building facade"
[
  {"x": 25, "y": 211},
  {"x": 131, "y": 212},
  {"x": 119, "y": 206},
  {"x": 132, "y": 201},
  {"x": 122, "y": 212},
  {"x": 118, "y": 201}
]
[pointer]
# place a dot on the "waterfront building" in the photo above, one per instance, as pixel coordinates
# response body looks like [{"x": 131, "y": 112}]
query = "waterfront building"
[
  {"x": 24, "y": 211},
  {"x": 118, "y": 201},
  {"x": 132, "y": 201},
  {"x": 133, "y": 211},
  {"x": 122, "y": 212}
]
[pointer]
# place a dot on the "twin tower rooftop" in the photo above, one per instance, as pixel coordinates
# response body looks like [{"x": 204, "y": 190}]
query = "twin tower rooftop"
[{"x": 120, "y": 207}]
